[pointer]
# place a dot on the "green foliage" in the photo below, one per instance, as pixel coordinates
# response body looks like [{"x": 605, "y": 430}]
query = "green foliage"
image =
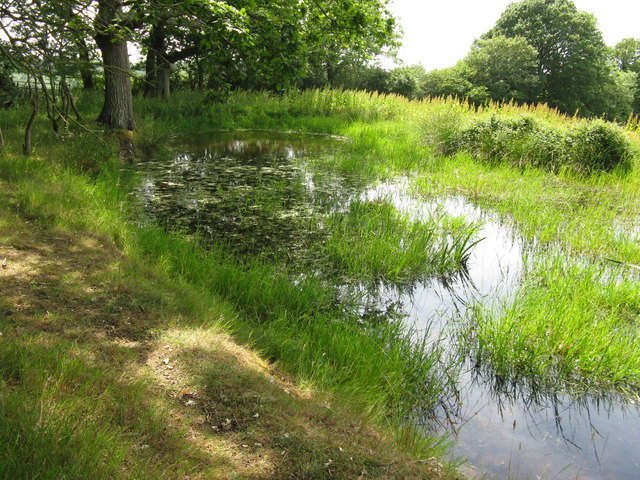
[
  {"x": 372, "y": 241},
  {"x": 338, "y": 35},
  {"x": 626, "y": 54},
  {"x": 598, "y": 146},
  {"x": 521, "y": 141},
  {"x": 569, "y": 323},
  {"x": 406, "y": 81},
  {"x": 450, "y": 82},
  {"x": 8, "y": 88},
  {"x": 587, "y": 147},
  {"x": 506, "y": 67},
  {"x": 571, "y": 55}
]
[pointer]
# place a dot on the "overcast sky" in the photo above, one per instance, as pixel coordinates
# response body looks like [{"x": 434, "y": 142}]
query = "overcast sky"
[{"x": 438, "y": 33}]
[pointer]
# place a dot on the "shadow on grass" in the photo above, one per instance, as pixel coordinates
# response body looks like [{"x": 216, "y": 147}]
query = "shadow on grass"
[{"x": 83, "y": 394}]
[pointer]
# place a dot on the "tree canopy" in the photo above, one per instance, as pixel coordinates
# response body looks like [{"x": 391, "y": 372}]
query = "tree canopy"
[
  {"x": 247, "y": 43},
  {"x": 571, "y": 54},
  {"x": 506, "y": 67}
]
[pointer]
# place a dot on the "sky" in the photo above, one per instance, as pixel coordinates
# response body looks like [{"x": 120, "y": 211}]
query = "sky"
[{"x": 438, "y": 33}]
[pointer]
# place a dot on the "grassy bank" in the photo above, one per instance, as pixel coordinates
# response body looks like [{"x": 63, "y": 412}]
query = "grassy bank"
[
  {"x": 116, "y": 299},
  {"x": 105, "y": 299}
]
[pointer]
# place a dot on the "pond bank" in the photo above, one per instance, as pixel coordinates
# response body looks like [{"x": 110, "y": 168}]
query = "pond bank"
[
  {"x": 503, "y": 427},
  {"x": 127, "y": 374}
]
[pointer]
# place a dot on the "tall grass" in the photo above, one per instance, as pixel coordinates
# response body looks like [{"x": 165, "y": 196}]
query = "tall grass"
[
  {"x": 569, "y": 323},
  {"x": 297, "y": 322},
  {"x": 372, "y": 241},
  {"x": 525, "y": 141}
]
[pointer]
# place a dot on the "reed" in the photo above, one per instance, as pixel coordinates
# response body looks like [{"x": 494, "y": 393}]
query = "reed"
[{"x": 372, "y": 241}]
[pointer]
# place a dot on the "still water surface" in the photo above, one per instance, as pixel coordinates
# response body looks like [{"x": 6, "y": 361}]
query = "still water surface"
[{"x": 257, "y": 191}]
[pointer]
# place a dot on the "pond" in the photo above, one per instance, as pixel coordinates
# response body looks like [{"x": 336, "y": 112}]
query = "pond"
[{"x": 259, "y": 193}]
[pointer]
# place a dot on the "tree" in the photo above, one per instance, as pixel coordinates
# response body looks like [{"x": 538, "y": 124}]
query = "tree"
[
  {"x": 626, "y": 55},
  {"x": 448, "y": 82},
  {"x": 7, "y": 85},
  {"x": 286, "y": 40},
  {"x": 571, "y": 54},
  {"x": 112, "y": 28},
  {"x": 506, "y": 67},
  {"x": 621, "y": 95},
  {"x": 340, "y": 33},
  {"x": 406, "y": 81},
  {"x": 40, "y": 46},
  {"x": 176, "y": 30},
  {"x": 273, "y": 53}
]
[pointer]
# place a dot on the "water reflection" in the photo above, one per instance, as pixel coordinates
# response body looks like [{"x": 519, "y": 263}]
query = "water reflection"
[
  {"x": 510, "y": 430},
  {"x": 240, "y": 190},
  {"x": 492, "y": 273},
  {"x": 257, "y": 192}
]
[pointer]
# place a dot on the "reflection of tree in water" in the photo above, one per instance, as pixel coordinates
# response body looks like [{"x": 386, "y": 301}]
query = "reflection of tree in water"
[{"x": 246, "y": 193}]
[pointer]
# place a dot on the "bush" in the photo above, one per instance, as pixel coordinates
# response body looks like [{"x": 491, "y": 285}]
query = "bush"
[
  {"x": 524, "y": 141},
  {"x": 598, "y": 146}
]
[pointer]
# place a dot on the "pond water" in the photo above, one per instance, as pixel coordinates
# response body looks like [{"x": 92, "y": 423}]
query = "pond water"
[{"x": 257, "y": 192}]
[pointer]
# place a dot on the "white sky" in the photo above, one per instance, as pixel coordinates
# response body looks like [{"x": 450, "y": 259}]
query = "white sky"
[{"x": 438, "y": 33}]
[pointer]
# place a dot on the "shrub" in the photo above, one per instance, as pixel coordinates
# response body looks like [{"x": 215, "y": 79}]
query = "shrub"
[
  {"x": 524, "y": 141},
  {"x": 598, "y": 146}
]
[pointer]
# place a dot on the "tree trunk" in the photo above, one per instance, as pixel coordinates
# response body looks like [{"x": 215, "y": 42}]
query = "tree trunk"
[
  {"x": 155, "y": 61},
  {"x": 200, "y": 71},
  {"x": 86, "y": 70},
  {"x": 26, "y": 147},
  {"x": 164, "y": 80},
  {"x": 151, "y": 74},
  {"x": 117, "y": 111},
  {"x": 331, "y": 74}
]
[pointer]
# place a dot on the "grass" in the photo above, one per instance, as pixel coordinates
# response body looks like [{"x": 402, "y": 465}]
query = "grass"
[
  {"x": 569, "y": 323},
  {"x": 583, "y": 148},
  {"x": 583, "y": 216},
  {"x": 167, "y": 280},
  {"x": 372, "y": 241},
  {"x": 297, "y": 323},
  {"x": 587, "y": 214},
  {"x": 99, "y": 300}
]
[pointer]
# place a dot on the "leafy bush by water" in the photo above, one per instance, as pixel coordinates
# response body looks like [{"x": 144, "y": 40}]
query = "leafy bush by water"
[
  {"x": 524, "y": 141},
  {"x": 598, "y": 146}
]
